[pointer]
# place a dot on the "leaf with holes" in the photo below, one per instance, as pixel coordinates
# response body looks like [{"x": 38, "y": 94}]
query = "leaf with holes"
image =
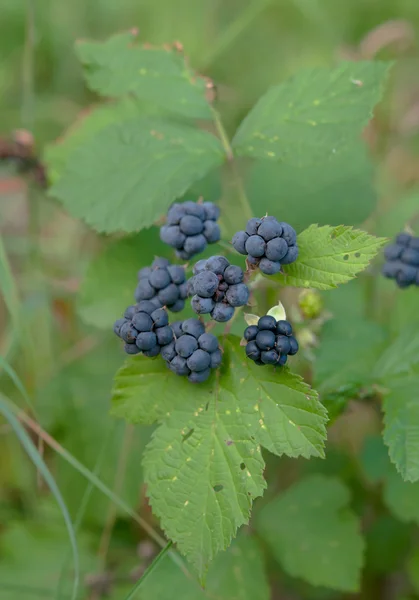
[
  {"x": 125, "y": 177},
  {"x": 401, "y": 425},
  {"x": 203, "y": 472},
  {"x": 314, "y": 116},
  {"x": 160, "y": 76},
  {"x": 109, "y": 283},
  {"x": 329, "y": 256},
  {"x": 314, "y": 535}
]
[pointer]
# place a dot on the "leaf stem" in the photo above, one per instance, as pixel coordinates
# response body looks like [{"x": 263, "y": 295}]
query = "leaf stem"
[
  {"x": 235, "y": 177},
  {"x": 149, "y": 570}
]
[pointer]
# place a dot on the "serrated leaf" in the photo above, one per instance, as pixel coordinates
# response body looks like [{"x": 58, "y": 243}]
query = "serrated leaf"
[
  {"x": 400, "y": 356},
  {"x": 401, "y": 426},
  {"x": 85, "y": 127},
  {"x": 109, "y": 283},
  {"x": 329, "y": 256},
  {"x": 313, "y": 533},
  {"x": 119, "y": 66},
  {"x": 126, "y": 175},
  {"x": 314, "y": 116},
  {"x": 237, "y": 574},
  {"x": 202, "y": 473},
  {"x": 279, "y": 410},
  {"x": 338, "y": 191},
  {"x": 402, "y": 498}
]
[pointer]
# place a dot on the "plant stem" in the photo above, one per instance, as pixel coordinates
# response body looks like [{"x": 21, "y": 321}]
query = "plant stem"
[
  {"x": 149, "y": 570},
  {"x": 233, "y": 31},
  {"x": 235, "y": 177},
  {"x": 27, "y": 114}
]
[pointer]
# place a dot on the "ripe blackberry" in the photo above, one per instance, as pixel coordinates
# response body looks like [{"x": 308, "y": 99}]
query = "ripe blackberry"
[
  {"x": 163, "y": 284},
  {"x": 270, "y": 342},
  {"x": 192, "y": 352},
  {"x": 402, "y": 260},
  {"x": 145, "y": 329},
  {"x": 267, "y": 243},
  {"x": 217, "y": 288},
  {"x": 190, "y": 227}
]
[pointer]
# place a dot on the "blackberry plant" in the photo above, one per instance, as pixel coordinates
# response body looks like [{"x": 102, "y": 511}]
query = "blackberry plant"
[{"x": 204, "y": 465}]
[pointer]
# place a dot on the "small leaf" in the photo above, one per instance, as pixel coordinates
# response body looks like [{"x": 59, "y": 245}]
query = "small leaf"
[
  {"x": 119, "y": 67},
  {"x": 329, "y": 256},
  {"x": 251, "y": 319},
  {"x": 314, "y": 116},
  {"x": 126, "y": 176},
  {"x": 314, "y": 535},
  {"x": 109, "y": 283},
  {"x": 402, "y": 498},
  {"x": 235, "y": 574},
  {"x": 195, "y": 485},
  {"x": 278, "y": 312},
  {"x": 401, "y": 426}
]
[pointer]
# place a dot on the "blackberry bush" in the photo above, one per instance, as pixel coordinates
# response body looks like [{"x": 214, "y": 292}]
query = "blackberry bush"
[
  {"x": 163, "y": 284},
  {"x": 217, "y": 288},
  {"x": 190, "y": 227},
  {"x": 270, "y": 342},
  {"x": 144, "y": 328},
  {"x": 267, "y": 243}
]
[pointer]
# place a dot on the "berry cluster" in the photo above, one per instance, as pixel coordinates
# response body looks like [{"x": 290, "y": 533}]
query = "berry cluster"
[
  {"x": 163, "y": 284},
  {"x": 403, "y": 260},
  {"x": 193, "y": 352},
  {"x": 190, "y": 227},
  {"x": 270, "y": 342},
  {"x": 144, "y": 328},
  {"x": 218, "y": 288},
  {"x": 267, "y": 243}
]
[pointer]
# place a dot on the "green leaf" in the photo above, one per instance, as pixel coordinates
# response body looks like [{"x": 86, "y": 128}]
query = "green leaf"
[
  {"x": 119, "y": 66},
  {"x": 413, "y": 569},
  {"x": 329, "y": 256},
  {"x": 237, "y": 574},
  {"x": 314, "y": 116},
  {"x": 401, "y": 426},
  {"x": 336, "y": 192},
  {"x": 86, "y": 126},
  {"x": 279, "y": 410},
  {"x": 374, "y": 460},
  {"x": 109, "y": 284},
  {"x": 204, "y": 459},
  {"x": 391, "y": 221},
  {"x": 341, "y": 359},
  {"x": 125, "y": 176},
  {"x": 202, "y": 473},
  {"x": 314, "y": 535},
  {"x": 400, "y": 356},
  {"x": 388, "y": 541},
  {"x": 402, "y": 498}
]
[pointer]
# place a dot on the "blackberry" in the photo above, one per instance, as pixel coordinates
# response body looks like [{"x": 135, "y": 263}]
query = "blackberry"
[
  {"x": 190, "y": 227},
  {"x": 217, "y": 288},
  {"x": 402, "y": 260},
  {"x": 267, "y": 243},
  {"x": 162, "y": 284},
  {"x": 270, "y": 342},
  {"x": 193, "y": 353},
  {"x": 147, "y": 331}
]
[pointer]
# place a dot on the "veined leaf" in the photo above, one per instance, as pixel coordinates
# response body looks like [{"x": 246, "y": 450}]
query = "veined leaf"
[
  {"x": 329, "y": 256},
  {"x": 119, "y": 66},
  {"x": 314, "y": 116},
  {"x": 109, "y": 283},
  {"x": 125, "y": 177},
  {"x": 203, "y": 472},
  {"x": 401, "y": 426},
  {"x": 85, "y": 127},
  {"x": 314, "y": 535}
]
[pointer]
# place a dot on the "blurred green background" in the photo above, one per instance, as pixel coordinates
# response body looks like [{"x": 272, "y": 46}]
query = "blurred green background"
[{"x": 66, "y": 367}]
